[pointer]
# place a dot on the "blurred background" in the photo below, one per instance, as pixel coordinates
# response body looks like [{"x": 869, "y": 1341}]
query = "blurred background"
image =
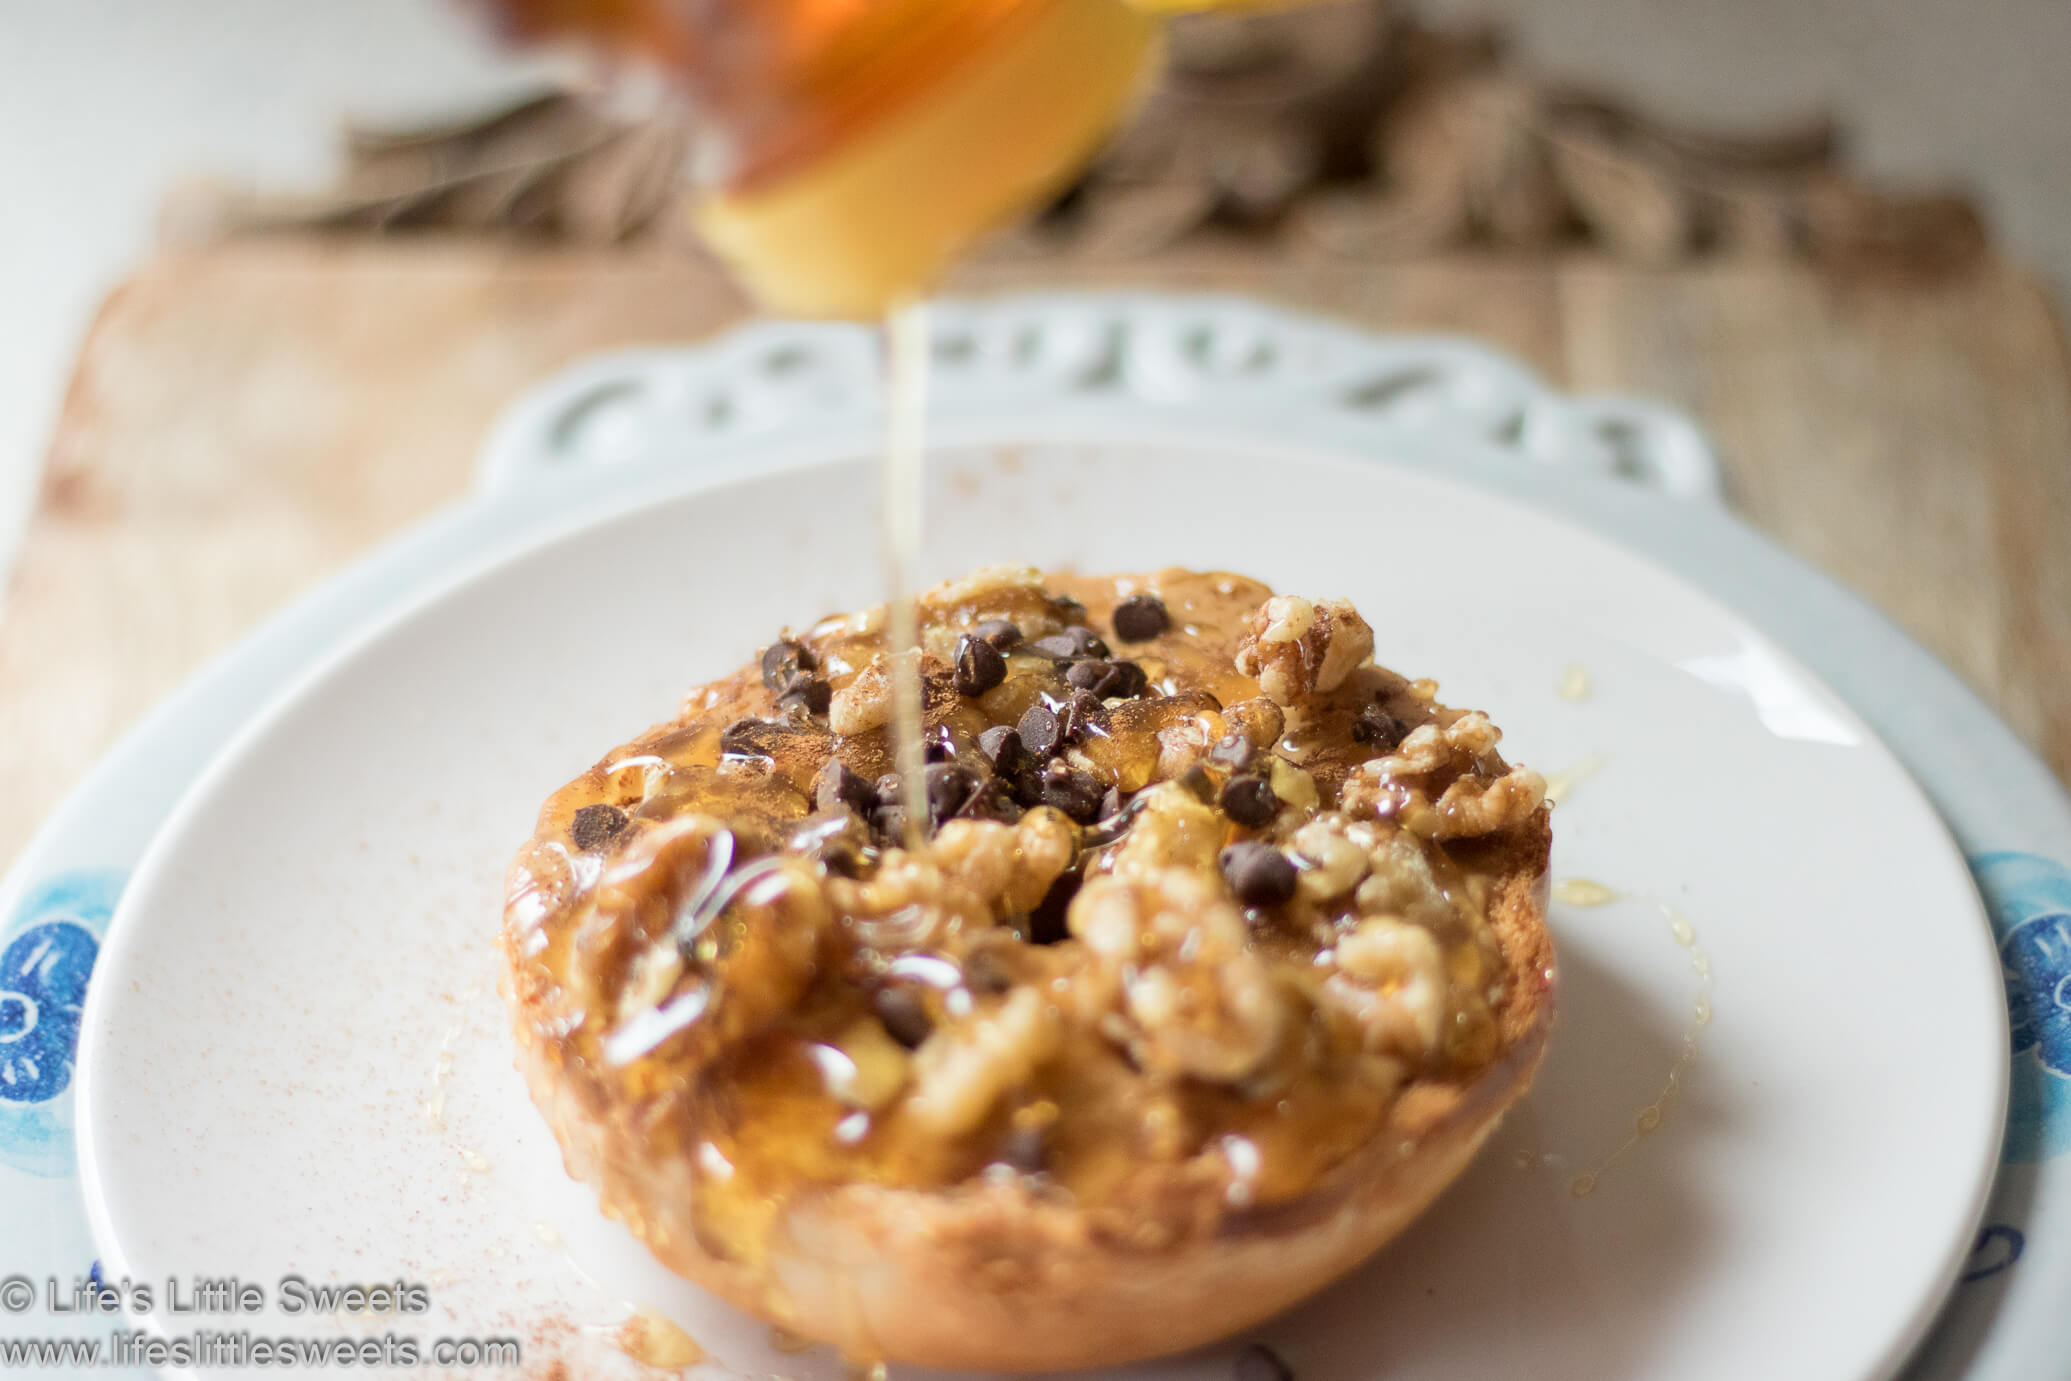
[
  {"x": 271, "y": 267},
  {"x": 110, "y": 104}
]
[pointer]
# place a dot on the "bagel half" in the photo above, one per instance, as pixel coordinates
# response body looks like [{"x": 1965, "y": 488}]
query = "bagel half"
[{"x": 1226, "y": 952}]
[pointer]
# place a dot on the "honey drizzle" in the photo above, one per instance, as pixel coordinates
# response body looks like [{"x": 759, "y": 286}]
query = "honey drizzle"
[
  {"x": 1583, "y": 892},
  {"x": 906, "y": 384},
  {"x": 656, "y": 1341},
  {"x": 1650, "y": 1117}
]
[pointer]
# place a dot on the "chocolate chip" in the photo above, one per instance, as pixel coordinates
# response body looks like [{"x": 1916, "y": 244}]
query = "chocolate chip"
[
  {"x": 1377, "y": 726},
  {"x": 596, "y": 826},
  {"x": 994, "y": 800},
  {"x": 1233, "y": 751},
  {"x": 1260, "y": 1363},
  {"x": 888, "y": 816},
  {"x": 1126, "y": 681},
  {"x": 1068, "y": 609},
  {"x": 1140, "y": 618},
  {"x": 837, "y": 788},
  {"x": 999, "y": 632},
  {"x": 1055, "y": 646},
  {"x": 1107, "y": 680},
  {"x": 836, "y": 839},
  {"x": 938, "y": 745},
  {"x": 1088, "y": 673},
  {"x": 1026, "y": 1148},
  {"x": 888, "y": 822},
  {"x": 812, "y": 694},
  {"x": 1083, "y": 717},
  {"x": 979, "y": 665},
  {"x": 950, "y": 788},
  {"x": 1115, "y": 818},
  {"x": 1001, "y": 747},
  {"x": 1046, "y": 923},
  {"x": 754, "y": 738},
  {"x": 904, "y": 1015},
  {"x": 1196, "y": 782},
  {"x": 1250, "y": 801},
  {"x": 1073, "y": 643},
  {"x": 784, "y": 662},
  {"x": 1258, "y": 873},
  {"x": 1040, "y": 731},
  {"x": 1075, "y": 793}
]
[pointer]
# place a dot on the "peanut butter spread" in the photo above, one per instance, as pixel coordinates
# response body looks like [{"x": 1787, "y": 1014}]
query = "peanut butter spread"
[{"x": 1207, "y": 896}]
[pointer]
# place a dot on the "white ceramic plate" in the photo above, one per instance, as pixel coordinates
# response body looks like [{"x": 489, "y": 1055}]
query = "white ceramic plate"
[{"x": 312, "y": 932}]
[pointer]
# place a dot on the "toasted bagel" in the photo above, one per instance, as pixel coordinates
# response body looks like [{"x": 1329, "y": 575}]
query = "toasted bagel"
[{"x": 1225, "y": 952}]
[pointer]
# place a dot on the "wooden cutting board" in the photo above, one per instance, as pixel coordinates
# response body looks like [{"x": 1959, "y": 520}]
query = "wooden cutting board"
[{"x": 244, "y": 420}]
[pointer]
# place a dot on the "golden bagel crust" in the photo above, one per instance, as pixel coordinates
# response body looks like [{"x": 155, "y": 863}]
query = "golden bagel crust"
[{"x": 930, "y": 1237}]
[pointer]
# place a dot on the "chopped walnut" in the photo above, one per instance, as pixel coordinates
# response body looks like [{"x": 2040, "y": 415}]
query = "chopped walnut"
[
  {"x": 1470, "y": 808},
  {"x": 1450, "y": 762},
  {"x": 1009, "y": 867},
  {"x": 1196, "y": 1001},
  {"x": 650, "y": 979},
  {"x": 873, "y": 1069},
  {"x": 865, "y": 703},
  {"x": 910, "y": 903},
  {"x": 1391, "y": 979},
  {"x": 1335, "y": 863},
  {"x": 745, "y": 942},
  {"x": 960, "y": 1071},
  {"x": 1217, "y": 1022},
  {"x": 1173, "y": 827},
  {"x": 1298, "y": 647},
  {"x": 1401, "y": 883},
  {"x": 977, "y": 853},
  {"x": 1046, "y": 843},
  {"x": 1180, "y": 746},
  {"x": 1293, "y": 785}
]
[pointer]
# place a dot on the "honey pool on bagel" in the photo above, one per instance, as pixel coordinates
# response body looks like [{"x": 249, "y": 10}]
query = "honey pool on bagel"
[{"x": 1212, "y": 905}]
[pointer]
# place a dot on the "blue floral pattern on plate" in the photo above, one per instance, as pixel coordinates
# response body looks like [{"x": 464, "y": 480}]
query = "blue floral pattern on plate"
[
  {"x": 2030, "y": 900},
  {"x": 46, "y": 956}
]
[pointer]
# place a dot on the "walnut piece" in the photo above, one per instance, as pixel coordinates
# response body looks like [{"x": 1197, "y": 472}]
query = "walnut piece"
[
  {"x": 960, "y": 1072},
  {"x": 1298, "y": 647},
  {"x": 1195, "y": 1000},
  {"x": 865, "y": 703},
  {"x": 1391, "y": 980},
  {"x": 1439, "y": 782}
]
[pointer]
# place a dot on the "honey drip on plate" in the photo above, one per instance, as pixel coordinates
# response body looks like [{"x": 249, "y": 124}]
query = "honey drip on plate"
[
  {"x": 1583, "y": 892},
  {"x": 1649, "y": 1118},
  {"x": 906, "y": 384},
  {"x": 649, "y": 1338}
]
